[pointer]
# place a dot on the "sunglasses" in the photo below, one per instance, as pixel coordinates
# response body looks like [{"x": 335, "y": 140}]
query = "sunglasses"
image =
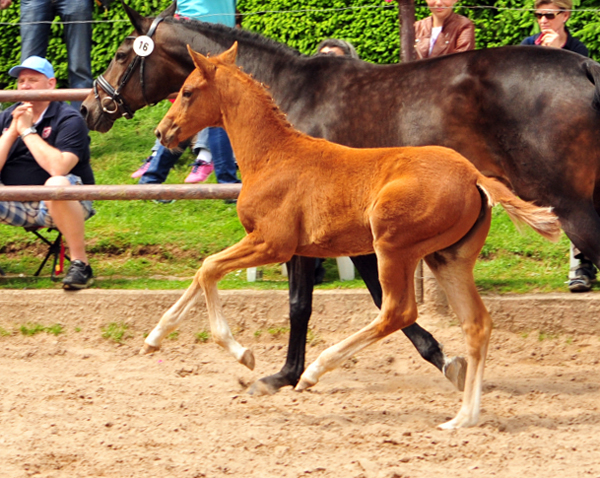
[{"x": 549, "y": 16}]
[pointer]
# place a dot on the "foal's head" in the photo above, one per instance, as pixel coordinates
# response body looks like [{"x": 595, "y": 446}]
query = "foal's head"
[{"x": 198, "y": 103}]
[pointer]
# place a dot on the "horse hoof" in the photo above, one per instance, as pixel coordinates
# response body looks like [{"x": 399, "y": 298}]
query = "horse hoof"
[
  {"x": 148, "y": 349},
  {"x": 303, "y": 384},
  {"x": 248, "y": 359},
  {"x": 457, "y": 422},
  {"x": 260, "y": 388},
  {"x": 455, "y": 370}
]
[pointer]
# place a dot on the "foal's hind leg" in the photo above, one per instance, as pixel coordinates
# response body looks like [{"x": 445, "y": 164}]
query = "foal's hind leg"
[
  {"x": 430, "y": 349},
  {"x": 453, "y": 268},
  {"x": 301, "y": 273},
  {"x": 398, "y": 310}
]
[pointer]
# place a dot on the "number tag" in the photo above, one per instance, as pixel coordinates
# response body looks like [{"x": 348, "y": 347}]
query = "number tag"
[{"x": 143, "y": 45}]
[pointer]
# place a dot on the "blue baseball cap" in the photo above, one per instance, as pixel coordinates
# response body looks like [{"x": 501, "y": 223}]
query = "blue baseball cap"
[{"x": 36, "y": 63}]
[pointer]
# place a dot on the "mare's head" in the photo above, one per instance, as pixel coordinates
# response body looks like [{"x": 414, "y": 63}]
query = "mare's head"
[
  {"x": 133, "y": 81},
  {"x": 198, "y": 103}
]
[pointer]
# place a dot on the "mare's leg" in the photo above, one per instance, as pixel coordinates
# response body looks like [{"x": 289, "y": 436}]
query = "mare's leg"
[
  {"x": 581, "y": 223},
  {"x": 249, "y": 252},
  {"x": 301, "y": 273},
  {"x": 453, "y": 268},
  {"x": 430, "y": 349},
  {"x": 398, "y": 310}
]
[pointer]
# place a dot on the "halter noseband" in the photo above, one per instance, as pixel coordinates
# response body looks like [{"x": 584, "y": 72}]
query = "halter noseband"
[{"x": 114, "y": 102}]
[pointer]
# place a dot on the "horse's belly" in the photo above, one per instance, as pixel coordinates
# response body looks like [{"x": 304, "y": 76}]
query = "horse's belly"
[{"x": 340, "y": 243}]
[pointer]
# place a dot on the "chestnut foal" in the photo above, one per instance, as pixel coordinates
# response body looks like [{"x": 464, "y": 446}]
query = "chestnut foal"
[{"x": 310, "y": 197}]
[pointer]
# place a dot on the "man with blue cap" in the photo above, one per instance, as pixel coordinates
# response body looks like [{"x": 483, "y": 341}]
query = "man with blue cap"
[{"x": 47, "y": 143}]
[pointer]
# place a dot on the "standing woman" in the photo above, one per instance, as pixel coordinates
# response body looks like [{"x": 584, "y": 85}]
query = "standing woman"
[
  {"x": 444, "y": 32},
  {"x": 552, "y": 16}
]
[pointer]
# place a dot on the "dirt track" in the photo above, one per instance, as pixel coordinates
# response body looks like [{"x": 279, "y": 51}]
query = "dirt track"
[{"x": 79, "y": 405}]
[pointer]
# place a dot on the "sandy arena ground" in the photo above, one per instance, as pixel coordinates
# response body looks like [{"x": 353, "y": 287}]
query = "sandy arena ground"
[{"x": 80, "y": 405}]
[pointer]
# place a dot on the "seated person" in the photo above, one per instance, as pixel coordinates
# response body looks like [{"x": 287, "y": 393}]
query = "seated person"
[{"x": 47, "y": 143}]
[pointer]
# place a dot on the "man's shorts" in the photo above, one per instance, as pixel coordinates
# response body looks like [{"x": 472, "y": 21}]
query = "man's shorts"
[{"x": 35, "y": 213}]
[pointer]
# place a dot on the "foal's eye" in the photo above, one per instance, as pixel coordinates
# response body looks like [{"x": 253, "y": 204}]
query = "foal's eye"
[{"x": 186, "y": 93}]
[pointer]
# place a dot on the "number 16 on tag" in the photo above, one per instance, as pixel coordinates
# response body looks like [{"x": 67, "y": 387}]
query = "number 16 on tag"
[{"x": 143, "y": 45}]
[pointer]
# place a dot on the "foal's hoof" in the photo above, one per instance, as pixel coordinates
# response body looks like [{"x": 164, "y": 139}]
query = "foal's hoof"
[
  {"x": 248, "y": 359},
  {"x": 455, "y": 370},
  {"x": 303, "y": 384},
  {"x": 148, "y": 349}
]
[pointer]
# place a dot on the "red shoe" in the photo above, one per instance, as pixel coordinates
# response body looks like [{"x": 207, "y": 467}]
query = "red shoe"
[
  {"x": 200, "y": 171},
  {"x": 143, "y": 168}
]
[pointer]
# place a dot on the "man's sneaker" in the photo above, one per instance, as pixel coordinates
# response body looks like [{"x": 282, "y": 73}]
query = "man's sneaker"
[
  {"x": 143, "y": 168},
  {"x": 200, "y": 171},
  {"x": 585, "y": 274},
  {"x": 79, "y": 276}
]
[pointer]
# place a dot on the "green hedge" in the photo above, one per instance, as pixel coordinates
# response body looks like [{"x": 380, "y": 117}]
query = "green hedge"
[
  {"x": 109, "y": 29},
  {"x": 371, "y": 25},
  {"x": 373, "y": 29}
]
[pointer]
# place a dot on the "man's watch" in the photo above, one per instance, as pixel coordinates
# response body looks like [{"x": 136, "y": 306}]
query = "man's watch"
[{"x": 30, "y": 130}]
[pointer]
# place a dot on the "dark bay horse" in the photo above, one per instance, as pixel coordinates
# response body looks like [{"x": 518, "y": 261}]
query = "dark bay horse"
[
  {"x": 425, "y": 202},
  {"x": 527, "y": 116}
]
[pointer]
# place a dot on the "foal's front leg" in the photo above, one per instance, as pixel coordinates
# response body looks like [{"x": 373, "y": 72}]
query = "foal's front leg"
[{"x": 249, "y": 252}]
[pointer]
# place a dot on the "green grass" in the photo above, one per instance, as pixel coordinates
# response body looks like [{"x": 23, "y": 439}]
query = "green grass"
[
  {"x": 202, "y": 336},
  {"x": 31, "y": 329},
  {"x": 143, "y": 245},
  {"x": 115, "y": 331}
]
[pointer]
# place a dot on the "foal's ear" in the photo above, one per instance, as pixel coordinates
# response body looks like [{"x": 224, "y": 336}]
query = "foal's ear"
[
  {"x": 228, "y": 56},
  {"x": 202, "y": 63}
]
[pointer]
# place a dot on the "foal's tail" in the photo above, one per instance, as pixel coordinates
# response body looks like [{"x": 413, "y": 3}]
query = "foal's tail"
[{"x": 540, "y": 219}]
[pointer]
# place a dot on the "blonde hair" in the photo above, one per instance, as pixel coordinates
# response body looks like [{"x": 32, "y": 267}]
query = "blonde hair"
[{"x": 562, "y": 4}]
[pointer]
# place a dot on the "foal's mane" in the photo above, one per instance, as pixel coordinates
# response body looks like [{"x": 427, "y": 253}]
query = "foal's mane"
[
  {"x": 235, "y": 34},
  {"x": 259, "y": 91}
]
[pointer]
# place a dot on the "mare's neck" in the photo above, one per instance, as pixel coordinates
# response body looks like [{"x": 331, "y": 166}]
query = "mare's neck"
[{"x": 271, "y": 63}]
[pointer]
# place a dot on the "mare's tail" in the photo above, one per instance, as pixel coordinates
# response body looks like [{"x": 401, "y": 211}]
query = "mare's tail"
[
  {"x": 592, "y": 71},
  {"x": 540, "y": 219}
]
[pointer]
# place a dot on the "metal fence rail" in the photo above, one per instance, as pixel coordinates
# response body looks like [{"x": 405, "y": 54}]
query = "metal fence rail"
[
  {"x": 120, "y": 192},
  {"x": 76, "y": 94}
]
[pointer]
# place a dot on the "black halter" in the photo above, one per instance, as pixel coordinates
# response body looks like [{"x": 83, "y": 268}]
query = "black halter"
[{"x": 113, "y": 102}]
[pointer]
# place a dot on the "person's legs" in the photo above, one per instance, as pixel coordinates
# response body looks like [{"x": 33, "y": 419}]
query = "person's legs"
[
  {"x": 201, "y": 141},
  {"x": 146, "y": 164},
  {"x": 582, "y": 271},
  {"x": 34, "y": 35},
  {"x": 202, "y": 166},
  {"x": 222, "y": 155},
  {"x": 78, "y": 38},
  {"x": 161, "y": 163},
  {"x": 69, "y": 218}
]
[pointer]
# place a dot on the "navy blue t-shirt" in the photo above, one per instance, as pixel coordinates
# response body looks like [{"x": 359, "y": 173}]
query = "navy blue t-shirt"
[
  {"x": 573, "y": 44},
  {"x": 61, "y": 127}
]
